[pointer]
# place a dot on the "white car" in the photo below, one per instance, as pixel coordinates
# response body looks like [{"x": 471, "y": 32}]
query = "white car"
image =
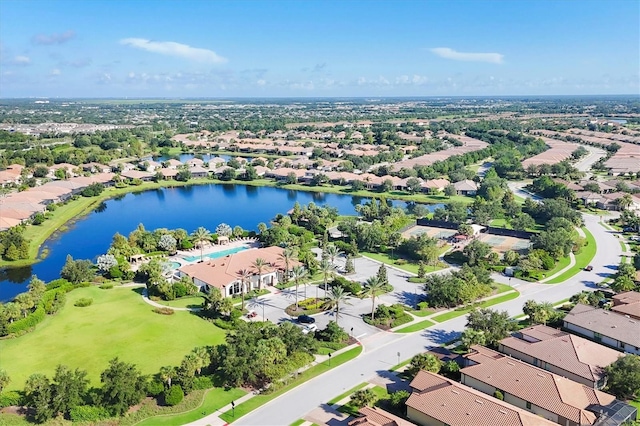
[{"x": 308, "y": 328}]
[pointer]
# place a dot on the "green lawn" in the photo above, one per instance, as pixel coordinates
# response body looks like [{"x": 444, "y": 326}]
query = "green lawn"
[
  {"x": 118, "y": 323},
  {"x": 297, "y": 422},
  {"x": 214, "y": 399},
  {"x": 422, "y": 312},
  {"x": 409, "y": 267},
  {"x": 459, "y": 312},
  {"x": 343, "y": 395},
  {"x": 416, "y": 327},
  {"x": 259, "y": 400},
  {"x": 184, "y": 302},
  {"x": 352, "y": 410},
  {"x": 583, "y": 258}
]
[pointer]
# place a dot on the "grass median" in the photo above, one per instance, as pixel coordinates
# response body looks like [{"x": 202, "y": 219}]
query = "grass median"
[
  {"x": 415, "y": 327},
  {"x": 459, "y": 312},
  {"x": 583, "y": 258},
  {"x": 259, "y": 400}
]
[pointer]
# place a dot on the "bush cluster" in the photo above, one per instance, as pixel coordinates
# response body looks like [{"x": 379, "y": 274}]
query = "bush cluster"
[
  {"x": 83, "y": 302},
  {"x": 164, "y": 311}
]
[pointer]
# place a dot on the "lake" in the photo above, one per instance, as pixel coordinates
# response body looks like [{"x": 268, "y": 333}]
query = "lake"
[{"x": 183, "y": 207}]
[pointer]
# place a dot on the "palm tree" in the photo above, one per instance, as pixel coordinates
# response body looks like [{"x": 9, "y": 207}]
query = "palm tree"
[
  {"x": 167, "y": 373},
  {"x": 287, "y": 255},
  {"x": 337, "y": 296},
  {"x": 325, "y": 268},
  {"x": 202, "y": 356},
  {"x": 244, "y": 276},
  {"x": 624, "y": 202},
  {"x": 374, "y": 285},
  {"x": 298, "y": 272},
  {"x": 333, "y": 252},
  {"x": 200, "y": 236},
  {"x": 259, "y": 264}
]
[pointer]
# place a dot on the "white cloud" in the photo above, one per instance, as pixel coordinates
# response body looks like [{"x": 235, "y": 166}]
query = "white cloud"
[
  {"x": 261, "y": 82},
  {"x": 447, "y": 53},
  {"x": 172, "y": 48},
  {"x": 21, "y": 60},
  {"x": 54, "y": 38},
  {"x": 55, "y": 71}
]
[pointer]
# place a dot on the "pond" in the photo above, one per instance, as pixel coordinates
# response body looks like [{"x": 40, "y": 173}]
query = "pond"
[{"x": 183, "y": 207}]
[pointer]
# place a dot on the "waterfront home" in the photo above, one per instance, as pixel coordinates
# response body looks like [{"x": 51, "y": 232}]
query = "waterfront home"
[{"x": 225, "y": 273}]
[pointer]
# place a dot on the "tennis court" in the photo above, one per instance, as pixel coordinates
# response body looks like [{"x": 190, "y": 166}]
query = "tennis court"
[
  {"x": 438, "y": 233},
  {"x": 500, "y": 244}
]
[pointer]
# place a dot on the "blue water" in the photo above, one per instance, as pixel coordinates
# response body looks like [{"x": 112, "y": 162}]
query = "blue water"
[
  {"x": 184, "y": 207},
  {"x": 205, "y": 157},
  {"x": 216, "y": 255}
]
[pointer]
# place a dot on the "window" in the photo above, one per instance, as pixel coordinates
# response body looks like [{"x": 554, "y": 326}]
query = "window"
[
  {"x": 528, "y": 405},
  {"x": 535, "y": 361},
  {"x": 597, "y": 337}
]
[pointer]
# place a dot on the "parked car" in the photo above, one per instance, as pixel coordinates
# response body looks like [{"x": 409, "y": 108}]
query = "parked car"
[
  {"x": 589, "y": 268},
  {"x": 252, "y": 314},
  {"x": 309, "y": 328},
  {"x": 306, "y": 319}
]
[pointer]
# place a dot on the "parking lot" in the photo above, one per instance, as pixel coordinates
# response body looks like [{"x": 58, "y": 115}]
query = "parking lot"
[{"x": 272, "y": 307}]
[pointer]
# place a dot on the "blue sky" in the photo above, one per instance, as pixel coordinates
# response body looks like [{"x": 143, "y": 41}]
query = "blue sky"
[{"x": 306, "y": 48}]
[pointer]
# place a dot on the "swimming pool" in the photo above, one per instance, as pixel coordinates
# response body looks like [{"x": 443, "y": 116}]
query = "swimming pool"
[
  {"x": 170, "y": 266},
  {"x": 216, "y": 255}
]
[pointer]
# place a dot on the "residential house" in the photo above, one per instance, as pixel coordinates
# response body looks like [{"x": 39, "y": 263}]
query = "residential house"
[
  {"x": 609, "y": 328},
  {"x": 627, "y": 303},
  {"x": 137, "y": 174},
  {"x": 374, "y": 416},
  {"x": 438, "y": 401},
  {"x": 561, "y": 353},
  {"x": 199, "y": 172},
  {"x": 466, "y": 187},
  {"x": 610, "y": 201},
  {"x": 11, "y": 175},
  {"x": 538, "y": 391},
  {"x": 224, "y": 273},
  {"x": 172, "y": 164}
]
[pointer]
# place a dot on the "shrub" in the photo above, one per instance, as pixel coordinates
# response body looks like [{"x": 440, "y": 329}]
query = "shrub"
[
  {"x": 53, "y": 300},
  {"x": 164, "y": 311},
  {"x": 332, "y": 333},
  {"x": 174, "y": 395},
  {"x": 106, "y": 286},
  {"x": 155, "y": 388},
  {"x": 88, "y": 413},
  {"x": 348, "y": 285},
  {"x": 498, "y": 395},
  {"x": 27, "y": 323},
  {"x": 398, "y": 398},
  {"x": 202, "y": 382},
  {"x": 115, "y": 272},
  {"x": 10, "y": 398},
  {"x": 83, "y": 302}
]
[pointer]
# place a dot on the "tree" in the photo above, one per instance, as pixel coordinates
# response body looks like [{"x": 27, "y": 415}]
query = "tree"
[
  {"x": 259, "y": 265},
  {"x": 168, "y": 243},
  {"x": 382, "y": 274},
  {"x": 337, "y": 296},
  {"x": 326, "y": 268},
  {"x": 386, "y": 186},
  {"x": 624, "y": 202},
  {"x": 465, "y": 229},
  {"x": 105, "y": 262},
  {"x": 224, "y": 230},
  {"x": 68, "y": 388},
  {"x": 363, "y": 398},
  {"x": 538, "y": 313},
  {"x": 4, "y": 379},
  {"x": 413, "y": 185},
  {"x": 332, "y": 253},
  {"x": 425, "y": 361},
  {"x": 623, "y": 283},
  {"x": 470, "y": 337},
  {"x": 349, "y": 267},
  {"x": 167, "y": 374},
  {"x": 373, "y": 286},
  {"x": 37, "y": 390},
  {"x": 475, "y": 251},
  {"x": 245, "y": 276},
  {"x": 449, "y": 190},
  {"x": 495, "y": 325},
  {"x": 288, "y": 254},
  {"x": 298, "y": 272},
  {"x": 122, "y": 386},
  {"x": 37, "y": 288},
  {"x": 174, "y": 395},
  {"x": 77, "y": 271},
  {"x": 623, "y": 377},
  {"x": 200, "y": 236}
]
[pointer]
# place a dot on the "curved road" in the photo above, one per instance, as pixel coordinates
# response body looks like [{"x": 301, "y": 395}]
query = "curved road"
[{"x": 381, "y": 350}]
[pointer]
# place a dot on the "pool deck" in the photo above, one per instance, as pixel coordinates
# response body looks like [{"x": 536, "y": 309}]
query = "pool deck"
[{"x": 182, "y": 255}]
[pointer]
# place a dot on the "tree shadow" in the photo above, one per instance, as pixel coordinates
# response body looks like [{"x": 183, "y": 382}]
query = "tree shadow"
[
  {"x": 439, "y": 336},
  {"x": 408, "y": 298},
  {"x": 397, "y": 382},
  {"x": 139, "y": 290}
]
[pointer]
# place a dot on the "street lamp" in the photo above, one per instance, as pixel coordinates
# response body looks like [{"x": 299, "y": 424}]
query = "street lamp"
[
  {"x": 263, "y": 303},
  {"x": 398, "y": 358},
  {"x": 352, "y": 332}
]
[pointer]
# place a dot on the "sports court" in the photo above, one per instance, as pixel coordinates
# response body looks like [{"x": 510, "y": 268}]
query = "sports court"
[
  {"x": 501, "y": 243},
  {"x": 438, "y": 233}
]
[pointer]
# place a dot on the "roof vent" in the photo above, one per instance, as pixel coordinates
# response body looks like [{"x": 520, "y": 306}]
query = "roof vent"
[
  {"x": 502, "y": 411},
  {"x": 479, "y": 402},
  {"x": 627, "y": 316},
  {"x": 455, "y": 391},
  {"x": 541, "y": 375},
  {"x": 510, "y": 363}
]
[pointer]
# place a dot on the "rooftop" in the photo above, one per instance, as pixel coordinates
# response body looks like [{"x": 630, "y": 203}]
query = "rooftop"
[{"x": 607, "y": 323}]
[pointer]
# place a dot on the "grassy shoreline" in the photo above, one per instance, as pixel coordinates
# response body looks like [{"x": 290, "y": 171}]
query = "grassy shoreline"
[{"x": 73, "y": 210}]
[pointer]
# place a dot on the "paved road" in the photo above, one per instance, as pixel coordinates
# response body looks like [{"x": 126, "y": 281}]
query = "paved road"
[{"x": 585, "y": 163}]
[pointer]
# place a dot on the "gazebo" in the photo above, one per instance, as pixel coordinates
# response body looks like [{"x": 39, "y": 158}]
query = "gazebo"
[{"x": 222, "y": 240}]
